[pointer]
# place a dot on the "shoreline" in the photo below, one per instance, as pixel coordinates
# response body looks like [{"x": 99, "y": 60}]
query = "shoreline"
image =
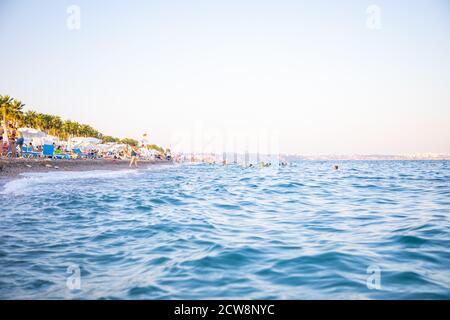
[{"x": 10, "y": 169}]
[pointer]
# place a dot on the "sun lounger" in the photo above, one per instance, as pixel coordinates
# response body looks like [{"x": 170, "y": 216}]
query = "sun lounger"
[
  {"x": 29, "y": 153},
  {"x": 79, "y": 153},
  {"x": 48, "y": 151},
  {"x": 63, "y": 156}
]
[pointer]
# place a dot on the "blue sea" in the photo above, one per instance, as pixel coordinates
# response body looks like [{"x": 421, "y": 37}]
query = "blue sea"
[{"x": 370, "y": 230}]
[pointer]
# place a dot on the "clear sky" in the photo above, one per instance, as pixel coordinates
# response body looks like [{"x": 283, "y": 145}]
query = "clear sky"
[{"x": 314, "y": 72}]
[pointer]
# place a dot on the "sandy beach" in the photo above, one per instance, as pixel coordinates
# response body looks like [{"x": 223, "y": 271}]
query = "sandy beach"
[{"x": 12, "y": 168}]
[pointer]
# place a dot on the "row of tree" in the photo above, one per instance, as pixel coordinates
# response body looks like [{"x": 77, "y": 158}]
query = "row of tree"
[{"x": 11, "y": 111}]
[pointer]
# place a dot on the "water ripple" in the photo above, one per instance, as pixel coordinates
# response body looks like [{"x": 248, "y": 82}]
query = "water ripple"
[{"x": 196, "y": 232}]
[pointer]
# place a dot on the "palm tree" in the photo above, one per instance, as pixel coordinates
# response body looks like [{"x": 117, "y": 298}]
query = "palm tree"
[
  {"x": 106, "y": 139},
  {"x": 84, "y": 130},
  {"x": 48, "y": 122},
  {"x": 131, "y": 142},
  {"x": 56, "y": 125},
  {"x": 75, "y": 128},
  {"x": 12, "y": 110},
  {"x": 66, "y": 128},
  {"x": 29, "y": 119},
  {"x": 5, "y": 106},
  {"x": 40, "y": 121},
  {"x": 16, "y": 112}
]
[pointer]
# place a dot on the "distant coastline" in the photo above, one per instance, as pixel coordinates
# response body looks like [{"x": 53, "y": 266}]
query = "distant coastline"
[{"x": 418, "y": 156}]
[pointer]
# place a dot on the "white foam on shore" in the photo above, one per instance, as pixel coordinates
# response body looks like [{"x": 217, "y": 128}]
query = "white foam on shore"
[
  {"x": 158, "y": 167},
  {"x": 30, "y": 179}
]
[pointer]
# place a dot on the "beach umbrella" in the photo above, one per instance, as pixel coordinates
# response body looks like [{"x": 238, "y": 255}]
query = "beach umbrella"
[
  {"x": 85, "y": 140},
  {"x": 41, "y": 140},
  {"x": 102, "y": 147},
  {"x": 31, "y": 133},
  {"x": 48, "y": 139},
  {"x": 85, "y": 143},
  {"x": 116, "y": 147},
  {"x": 69, "y": 143},
  {"x": 87, "y": 146}
]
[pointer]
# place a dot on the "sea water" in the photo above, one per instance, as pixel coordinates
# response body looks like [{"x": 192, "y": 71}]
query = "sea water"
[{"x": 370, "y": 230}]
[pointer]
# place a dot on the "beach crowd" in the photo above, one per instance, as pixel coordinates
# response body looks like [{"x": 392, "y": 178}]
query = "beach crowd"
[
  {"x": 11, "y": 139},
  {"x": 13, "y": 145}
]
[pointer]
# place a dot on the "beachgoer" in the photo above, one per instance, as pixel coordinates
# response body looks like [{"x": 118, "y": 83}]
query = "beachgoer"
[
  {"x": 12, "y": 140},
  {"x": 336, "y": 167},
  {"x": 20, "y": 141},
  {"x": 73, "y": 154},
  {"x": 133, "y": 157}
]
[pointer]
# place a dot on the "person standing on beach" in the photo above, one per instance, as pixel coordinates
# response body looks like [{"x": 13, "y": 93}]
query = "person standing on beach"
[
  {"x": 20, "y": 141},
  {"x": 133, "y": 157},
  {"x": 12, "y": 140}
]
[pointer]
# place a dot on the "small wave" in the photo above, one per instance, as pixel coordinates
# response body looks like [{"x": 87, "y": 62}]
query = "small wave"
[
  {"x": 139, "y": 292},
  {"x": 201, "y": 231},
  {"x": 408, "y": 240},
  {"x": 289, "y": 185},
  {"x": 29, "y": 180},
  {"x": 227, "y": 206},
  {"x": 225, "y": 259}
]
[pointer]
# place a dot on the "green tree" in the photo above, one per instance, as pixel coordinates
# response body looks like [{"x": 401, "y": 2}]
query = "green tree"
[
  {"x": 16, "y": 111},
  {"x": 12, "y": 110},
  {"x": 129, "y": 141},
  {"x": 155, "y": 147},
  {"x": 56, "y": 125},
  {"x": 29, "y": 119},
  {"x": 107, "y": 139},
  {"x": 5, "y": 106}
]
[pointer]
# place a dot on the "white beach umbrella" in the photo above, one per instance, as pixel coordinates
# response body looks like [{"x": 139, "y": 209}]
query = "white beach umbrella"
[
  {"x": 85, "y": 143},
  {"x": 31, "y": 133},
  {"x": 102, "y": 147},
  {"x": 85, "y": 140},
  {"x": 41, "y": 140},
  {"x": 88, "y": 146},
  {"x": 116, "y": 147},
  {"x": 48, "y": 139}
]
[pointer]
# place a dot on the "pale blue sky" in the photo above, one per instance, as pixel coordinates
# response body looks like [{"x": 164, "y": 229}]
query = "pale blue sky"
[{"x": 310, "y": 70}]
